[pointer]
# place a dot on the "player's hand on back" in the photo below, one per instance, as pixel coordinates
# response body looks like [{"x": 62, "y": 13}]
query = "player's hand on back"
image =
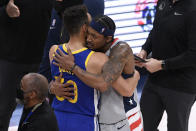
[
  {"x": 61, "y": 90},
  {"x": 64, "y": 61}
]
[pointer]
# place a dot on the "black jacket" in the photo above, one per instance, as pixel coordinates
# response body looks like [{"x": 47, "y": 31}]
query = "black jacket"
[
  {"x": 173, "y": 39},
  {"x": 43, "y": 119},
  {"x": 22, "y": 39}
]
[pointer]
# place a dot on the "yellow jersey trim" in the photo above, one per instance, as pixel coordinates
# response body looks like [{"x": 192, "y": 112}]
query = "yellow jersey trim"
[
  {"x": 55, "y": 50},
  {"x": 74, "y": 52},
  {"x": 88, "y": 57}
]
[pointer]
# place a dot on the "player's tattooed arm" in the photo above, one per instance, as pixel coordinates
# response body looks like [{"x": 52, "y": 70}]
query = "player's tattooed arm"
[
  {"x": 119, "y": 56},
  {"x": 101, "y": 72}
]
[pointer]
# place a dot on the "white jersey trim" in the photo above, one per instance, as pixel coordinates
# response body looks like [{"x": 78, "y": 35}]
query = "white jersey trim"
[
  {"x": 96, "y": 124},
  {"x": 96, "y": 99}
]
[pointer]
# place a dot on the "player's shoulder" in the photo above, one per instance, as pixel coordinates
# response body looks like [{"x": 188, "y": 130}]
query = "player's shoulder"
[
  {"x": 122, "y": 49},
  {"x": 121, "y": 45},
  {"x": 98, "y": 56},
  {"x": 96, "y": 62},
  {"x": 52, "y": 50}
]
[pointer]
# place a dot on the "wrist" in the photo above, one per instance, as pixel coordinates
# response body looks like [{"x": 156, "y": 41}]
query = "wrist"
[
  {"x": 143, "y": 53},
  {"x": 51, "y": 89},
  {"x": 163, "y": 66},
  {"x": 73, "y": 67}
]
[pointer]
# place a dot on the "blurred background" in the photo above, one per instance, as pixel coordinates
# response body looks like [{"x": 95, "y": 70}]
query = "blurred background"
[{"x": 134, "y": 20}]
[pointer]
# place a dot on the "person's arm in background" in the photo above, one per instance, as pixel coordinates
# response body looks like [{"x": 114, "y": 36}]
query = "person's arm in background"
[
  {"x": 186, "y": 59},
  {"x": 53, "y": 38},
  {"x": 111, "y": 70},
  {"x": 147, "y": 47}
]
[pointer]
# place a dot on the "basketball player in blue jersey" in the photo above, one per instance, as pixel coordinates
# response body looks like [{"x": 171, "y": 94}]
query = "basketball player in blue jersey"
[
  {"x": 79, "y": 112},
  {"x": 113, "y": 107}
]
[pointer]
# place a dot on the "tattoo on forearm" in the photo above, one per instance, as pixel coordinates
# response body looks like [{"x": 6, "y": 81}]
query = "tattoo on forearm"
[
  {"x": 114, "y": 67},
  {"x": 112, "y": 71}
]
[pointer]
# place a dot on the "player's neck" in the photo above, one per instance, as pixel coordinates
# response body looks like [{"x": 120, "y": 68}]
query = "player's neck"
[{"x": 76, "y": 42}]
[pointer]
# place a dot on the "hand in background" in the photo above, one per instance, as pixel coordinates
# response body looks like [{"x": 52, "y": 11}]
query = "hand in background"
[
  {"x": 12, "y": 10},
  {"x": 143, "y": 55},
  {"x": 61, "y": 90},
  {"x": 153, "y": 65}
]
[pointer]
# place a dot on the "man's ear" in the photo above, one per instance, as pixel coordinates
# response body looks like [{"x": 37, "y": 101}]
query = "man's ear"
[
  {"x": 89, "y": 18},
  {"x": 84, "y": 28},
  {"x": 33, "y": 94},
  {"x": 108, "y": 39}
]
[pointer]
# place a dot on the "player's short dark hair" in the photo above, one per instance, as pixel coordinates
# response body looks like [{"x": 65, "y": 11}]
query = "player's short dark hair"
[{"x": 74, "y": 18}]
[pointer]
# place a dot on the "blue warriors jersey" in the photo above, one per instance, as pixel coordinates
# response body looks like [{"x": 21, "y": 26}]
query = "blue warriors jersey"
[{"x": 85, "y": 100}]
